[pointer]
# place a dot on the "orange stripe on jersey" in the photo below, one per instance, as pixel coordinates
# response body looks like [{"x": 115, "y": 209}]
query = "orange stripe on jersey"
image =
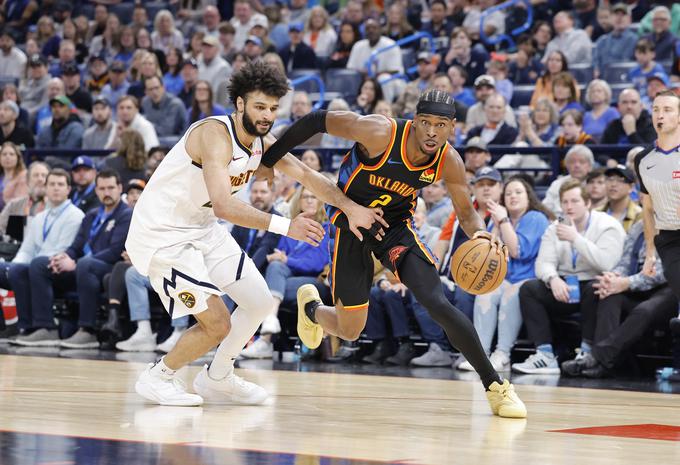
[
  {"x": 335, "y": 216},
  {"x": 351, "y": 177},
  {"x": 404, "y": 157},
  {"x": 354, "y": 308},
  {"x": 440, "y": 168},
  {"x": 420, "y": 244},
  {"x": 386, "y": 155},
  {"x": 335, "y": 261}
]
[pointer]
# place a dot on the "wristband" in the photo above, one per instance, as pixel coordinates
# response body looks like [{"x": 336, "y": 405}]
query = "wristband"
[
  {"x": 279, "y": 225},
  {"x": 504, "y": 220}
]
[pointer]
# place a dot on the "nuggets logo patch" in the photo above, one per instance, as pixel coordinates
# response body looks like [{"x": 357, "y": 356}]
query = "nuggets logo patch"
[
  {"x": 187, "y": 299},
  {"x": 427, "y": 176}
]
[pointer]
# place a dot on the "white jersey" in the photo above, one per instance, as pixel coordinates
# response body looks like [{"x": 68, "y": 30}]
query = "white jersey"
[{"x": 175, "y": 207}]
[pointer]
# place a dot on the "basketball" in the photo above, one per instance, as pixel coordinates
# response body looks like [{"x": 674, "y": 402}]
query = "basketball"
[{"x": 477, "y": 267}]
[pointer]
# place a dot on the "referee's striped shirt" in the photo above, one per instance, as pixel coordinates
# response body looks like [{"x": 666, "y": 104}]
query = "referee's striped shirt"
[{"x": 659, "y": 174}]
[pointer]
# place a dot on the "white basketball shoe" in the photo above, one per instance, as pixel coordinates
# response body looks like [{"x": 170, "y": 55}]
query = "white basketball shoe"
[
  {"x": 164, "y": 391},
  {"x": 231, "y": 389}
]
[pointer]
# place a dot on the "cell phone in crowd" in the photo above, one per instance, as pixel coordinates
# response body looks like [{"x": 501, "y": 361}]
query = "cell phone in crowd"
[{"x": 563, "y": 220}]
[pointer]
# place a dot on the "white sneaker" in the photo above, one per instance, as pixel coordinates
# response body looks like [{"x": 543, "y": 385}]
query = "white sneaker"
[
  {"x": 500, "y": 360},
  {"x": 232, "y": 389},
  {"x": 271, "y": 325},
  {"x": 540, "y": 363},
  {"x": 259, "y": 349},
  {"x": 434, "y": 357},
  {"x": 138, "y": 342},
  {"x": 167, "y": 345},
  {"x": 165, "y": 391},
  {"x": 465, "y": 366}
]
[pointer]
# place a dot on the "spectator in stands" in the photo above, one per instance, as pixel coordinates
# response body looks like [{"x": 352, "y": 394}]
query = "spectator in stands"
[
  {"x": 226, "y": 37},
  {"x": 12, "y": 60},
  {"x": 18, "y": 15},
  {"x": 461, "y": 53},
  {"x": 30, "y": 205},
  {"x": 389, "y": 62},
  {"x": 127, "y": 46},
  {"x": 645, "y": 300},
  {"x": 259, "y": 30},
  {"x": 539, "y": 128},
  {"x": 211, "y": 66},
  {"x": 495, "y": 131},
  {"x": 571, "y": 130},
  {"x": 118, "y": 84},
  {"x": 461, "y": 94},
  {"x": 194, "y": 50},
  {"x": 98, "y": 23},
  {"x": 555, "y": 64},
  {"x": 598, "y": 98},
  {"x": 66, "y": 129},
  {"x": 439, "y": 25},
  {"x": 292, "y": 264},
  {"x": 130, "y": 158},
  {"x": 565, "y": 93},
  {"x": 107, "y": 43},
  {"x": 596, "y": 187},
  {"x": 10, "y": 130},
  {"x": 13, "y": 181},
  {"x": 442, "y": 82},
  {"x": 11, "y": 93},
  {"x": 405, "y": 106},
  {"x": 319, "y": 34},
  {"x": 79, "y": 97},
  {"x": 165, "y": 111},
  {"x": 620, "y": 182},
  {"x": 140, "y": 18},
  {"x": 253, "y": 48},
  {"x": 172, "y": 81},
  {"x": 644, "y": 55},
  {"x": 485, "y": 86},
  {"x": 143, "y": 40},
  {"x": 312, "y": 159},
  {"x": 48, "y": 39},
  {"x": 154, "y": 158},
  {"x": 383, "y": 108},
  {"x": 585, "y": 13},
  {"x": 578, "y": 161},
  {"x": 300, "y": 107},
  {"x": 347, "y": 37},
  {"x": 370, "y": 92},
  {"x": 33, "y": 92},
  {"x": 498, "y": 70},
  {"x": 50, "y": 233},
  {"x": 635, "y": 124},
  {"x": 297, "y": 55},
  {"x": 476, "y": 154},
  {"x": 78, "y": 34},
  {"x": 210, "y": 20},
  {"x": 189, "y": 74},
  {"x": 663, "y": 39},
  {"x": 656, "y": 83},
  {"x": 494, "y": 23},
  {"x": 67, "y": 55},
  {"x": 573, "y": 43},
  {"x": 618, "y": 45},
  {"x": 83, "y": 174},
  {"x": 147, "y": 67},
  {"x": 526, "y": 67},
  {"x": 438, "y": 204},
  {"x": 43, "y": 117},
  {"x": 397, "y": 25},
  {"x": 542, "y": 33},
  {"x": 128, "y": 117},
  {"x": 243, "y": 21},
  {"x": 520, "y": 221},
  {"x": 354, "y": 13},
  {"x": 202, "y": 105},
  {"x": 98, "y": 71},
  {"x": 572, "y": 253},
  {"x": 165, "y": 35},
  {"x": 604, "y": 23}
]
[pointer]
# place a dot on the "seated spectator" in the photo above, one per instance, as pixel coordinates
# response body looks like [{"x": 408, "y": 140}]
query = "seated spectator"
[
  {"x": 471, "y": 59},
  {"x": 656, "y": 83},
  {"x": 565, "y": 93},
  {"x": 458, "y": 77},
  {"x": 118, "y": 84},
  {"x": 211, "y": 66},
  {"x": 635, "y": 124},
  {"x": 476, "y": 154},
  {"x": 646, "y": 301},
  {"x": 129, "y": 118},
  {"x": 297, "y": 55},
  {"x": 66, "y": 129},
  {"x": 254, "y": 48},
  {"x": 397, "y": 26},
  {"x": 554, "y": 65},
  {"x": 526, "y": 67},
  {"x": 661, "y": 36},
  {"x": 50, "y": 233},
  {"x": 83, "y": 174},
  {"x": 319, "y": 33},
  {"x": 596, "y": 187},
  {"x": 442, "y": 82},
  {"x": 578, "y": 161},
  {"x": 644, "y": 55},
  {"x": 33, "y": 92},
  {"x": 520, "y": 221},
  {"x": 620, "y": 182},
  {"x": 604, "y": 23},
  {"x": 312, "y": 159},
  {"x": 243, "y": 20},
  {"x": 301, "y": 106},
  {"x": 79, "y": 97},
  {"x": 189, "y": 74},
  {"x": 572, "y": 253},
  {"x": 439, "y": 26},
  {"x": 258, "y": 30},
  {"x": 485, "y": 86},
  {"x": 126, "y": 46},
  {"x": 43, "y": 117},
  {"x": 128, "y": 161},
  {"x": 495, "y": 131},
  {"x": 102, "y": 133},
  {"x": 538, "y": 128},
  {"x": 598, "y": 98},
  {"x": 165, "y": 35},
  {"x": 10, "y": 92},
  {"x": 571, "y": 130},
  {"x": 13, "y": 179},
  {"x": 67, "y": 55},
  {"x": 98, "y": 74},
  {"x": 494, "y": 23},
  {"x": 292, "y": 264},
  {"x": 106, "y": 43},
  {"x": 10, "y": 130},
  {"x": 498, "y": 70},
  {"x": 573, "y": 43},
  {"x": 438, "y": 204},
  {"x": 145, "y": 65},
  {"x": 172, "y": 80},
  {"x": 154, "y": 158},
  {"x": 348, "y": 36},
  {"x": 329, "y": 141},
  {"x": 202, "y": 105},
  {"x": 389, "y": 62},
  {"x": 542, "y": 33},
  {"x": 370, "y": 92},
  {"x": 31, "y": 204},
  {"x": 405, "y": 105},
  {"x": 165, "y": 111},
  {"x": 12, "y": 60},
  {"x": 618, "y": 45}
]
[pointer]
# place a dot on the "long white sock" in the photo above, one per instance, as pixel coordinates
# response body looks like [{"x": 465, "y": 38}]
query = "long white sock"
[{"x": 144, "y": 327}]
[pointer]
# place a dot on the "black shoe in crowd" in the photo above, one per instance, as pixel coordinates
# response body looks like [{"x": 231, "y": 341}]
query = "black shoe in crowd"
[
  {"x": 379, "y": 354},
  {"x": 403, "y": 356}
]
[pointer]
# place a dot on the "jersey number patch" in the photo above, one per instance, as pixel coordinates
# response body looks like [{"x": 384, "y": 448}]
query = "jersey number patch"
[{"x": 381, "y": 201}]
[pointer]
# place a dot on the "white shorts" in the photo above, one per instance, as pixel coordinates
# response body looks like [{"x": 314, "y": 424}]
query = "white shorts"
[{"x": 185, "y": 275}]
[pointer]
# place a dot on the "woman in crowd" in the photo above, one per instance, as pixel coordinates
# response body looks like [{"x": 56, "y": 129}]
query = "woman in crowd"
[
  {"x": 312, "y": 159},
  {"x": 319, "y": 34},
  {"x": 542, "y": 33},
  {"x": 130, "y": 158},
  {"x": 349, "y": 35},
  {"x": 47, "y": 38},
  {"x": 172, "y": 80},
  {"x": 107, "y": 43},
  {"x": 195, "y": 44},
  {"x": 146, "y": 65},
  {"x": 10, "y": 92},
  {"x": 565, "y": 93},
  {"x": 520, "y": 221},
  {"x": 397, "y": 25},
  {"x": 599, "y": 97},
  {"x": 13, "y": 181},
  {"x": 126, "y": 45},
  {"x": 202, "y": 106},
  {"x": 369, "y": 94},
  {"x": 571, "y": 130},
  {"x": 165, "y": 35},
  {"x": 70, "y": 31},
  {"x": 556, "y": 64},
  {"x": 539, "y": 127}
]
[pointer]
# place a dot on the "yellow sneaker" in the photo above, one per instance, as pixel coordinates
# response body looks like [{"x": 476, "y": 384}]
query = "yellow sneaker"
[
  {"x": 310, "y": 333},
  {"x": 504, "y": 401}
]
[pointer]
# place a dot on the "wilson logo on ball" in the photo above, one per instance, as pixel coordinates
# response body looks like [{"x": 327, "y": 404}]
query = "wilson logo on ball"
[{"x": 488, "y": 276}]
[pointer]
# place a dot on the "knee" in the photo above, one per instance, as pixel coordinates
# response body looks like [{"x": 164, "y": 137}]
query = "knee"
[
  {"x": 132, "y": 276},
  {"x": 276, "y": 268},
  {"x": 529, "y": 288},
  {"x": 218, "y": 329}
]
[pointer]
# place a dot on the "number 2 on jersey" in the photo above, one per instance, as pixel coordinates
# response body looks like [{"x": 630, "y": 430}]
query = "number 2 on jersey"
[{"x": 381, "y": 201}]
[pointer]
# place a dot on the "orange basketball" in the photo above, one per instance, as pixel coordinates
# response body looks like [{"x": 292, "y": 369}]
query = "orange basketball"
[{"x": 477, "y": 267}]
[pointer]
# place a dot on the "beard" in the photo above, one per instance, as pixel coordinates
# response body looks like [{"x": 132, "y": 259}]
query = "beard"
[{"x": 251, "y": 126}]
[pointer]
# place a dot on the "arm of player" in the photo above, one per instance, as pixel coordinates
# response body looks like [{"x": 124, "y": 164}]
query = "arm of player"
[
  {"x": 649, "y": 224},
  {"x": 210, "y": 145}
]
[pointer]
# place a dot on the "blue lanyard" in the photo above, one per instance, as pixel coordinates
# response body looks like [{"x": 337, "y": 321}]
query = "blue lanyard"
[
  {"x": 98, "y": 223},
  {"x": 251, "y": 238},
  {"x": 574, "y": 253},
  {"x": 77, "y": 195},
  {"x": 47, "y": 228}
]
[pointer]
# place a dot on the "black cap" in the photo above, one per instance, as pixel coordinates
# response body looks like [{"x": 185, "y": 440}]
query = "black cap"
[
  {"x": 621, "y": 171},
  {"x": 37, "y": 60},
  {"x": 99, "y": 57},
  {"x": 190, "y": 62},
  {"x": 118, "y": 67},
  {"x": 70, "y": 69},
  {"x": 101, "y": 101}
]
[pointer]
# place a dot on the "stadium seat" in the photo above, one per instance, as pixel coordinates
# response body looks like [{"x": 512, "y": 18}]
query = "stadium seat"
[
  {"x": 152, "y": 8},
  {"x": 307, "y": 86},
  {"x": 583, "y": 72},
  {"x": 124, "y": 12},
  {"x": 522, "y": 96},
  {"x": 617, "y": 73},
  {"x": 345, "y": 81},
  {"x": 408, "y": 57},
  {"x": 617, "y": 89}
]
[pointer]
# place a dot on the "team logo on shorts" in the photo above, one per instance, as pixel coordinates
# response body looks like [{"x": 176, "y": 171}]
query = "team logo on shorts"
[
  {"x": 395, "y": 254},
  {"x": 187, "y": 299}
]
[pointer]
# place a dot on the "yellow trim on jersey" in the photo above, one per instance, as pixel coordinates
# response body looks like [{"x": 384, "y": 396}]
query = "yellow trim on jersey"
[
  {"x": 411, "y": 167},
  {"x": 420, "y": 244},
  {"x": 335, "y": 216}
]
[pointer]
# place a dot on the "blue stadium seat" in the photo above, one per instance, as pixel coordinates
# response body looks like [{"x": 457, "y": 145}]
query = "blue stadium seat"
[
  {"x": 307, "y": 86},
  {"x": 345, "y": 81},
  {"x": 522, "y": 95},
  {"x": 86, "y": 9},
  {"x": 617, "y": 73},
  {"x": 124, "y": 12},
  {"x": 408, "y": 57},
  {"x": 583, "y": 72},
  {"x": 152, "y": 8},
  {"x": 617, "y": 89}
]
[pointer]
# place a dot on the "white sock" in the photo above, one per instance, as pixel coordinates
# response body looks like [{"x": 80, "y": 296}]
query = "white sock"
[
  {"x": 161, "y": 370},
  {"x": 144, "y": 327}
]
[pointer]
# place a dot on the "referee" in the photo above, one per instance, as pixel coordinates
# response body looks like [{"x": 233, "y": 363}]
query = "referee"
[{"x": 658, "y": 169}]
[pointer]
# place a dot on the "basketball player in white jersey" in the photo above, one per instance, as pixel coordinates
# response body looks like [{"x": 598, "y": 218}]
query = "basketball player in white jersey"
[{"x": 191, "y": 259}]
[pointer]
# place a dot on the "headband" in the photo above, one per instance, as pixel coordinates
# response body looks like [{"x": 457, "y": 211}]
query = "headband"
[{"x": 446, "y": 110}]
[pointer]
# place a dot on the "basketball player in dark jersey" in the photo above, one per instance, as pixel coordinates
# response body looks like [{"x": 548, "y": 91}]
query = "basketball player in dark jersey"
[{"x": 390, "y": 162}]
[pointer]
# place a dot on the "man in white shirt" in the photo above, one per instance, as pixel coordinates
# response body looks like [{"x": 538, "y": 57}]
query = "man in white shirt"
[
  {"x": 579, "y": 162},
  {"x": 243, "y": 21},
  {"x": 12, "y": 60},
  {"x": 211, "y": 66},
  {"x": 129, "y": 118},
  {"x": 574, "y": 43}
]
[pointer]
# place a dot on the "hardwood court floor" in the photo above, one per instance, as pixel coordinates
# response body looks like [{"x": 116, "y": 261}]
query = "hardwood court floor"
[{"x": 62, "y": 411}]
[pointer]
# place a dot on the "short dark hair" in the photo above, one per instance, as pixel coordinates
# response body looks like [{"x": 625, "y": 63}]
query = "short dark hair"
[
  {"x": 59, "y": 172},
  {"x": 130, "y": 98},
  {"x": 160, "y": 81},
  {"x": 441, "y": 2},
  {"x": 158, "y": 148},
  {"x": 576, "y": 115},
  {"x": 257, "y": 76},
  {"x": 437, "y": 96},
  {"x": 594, "y": 174},
  {"x": 573, "y": 184},
  {"x": 108, "y": 173},
  {"x": 644, "y": 45}
]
